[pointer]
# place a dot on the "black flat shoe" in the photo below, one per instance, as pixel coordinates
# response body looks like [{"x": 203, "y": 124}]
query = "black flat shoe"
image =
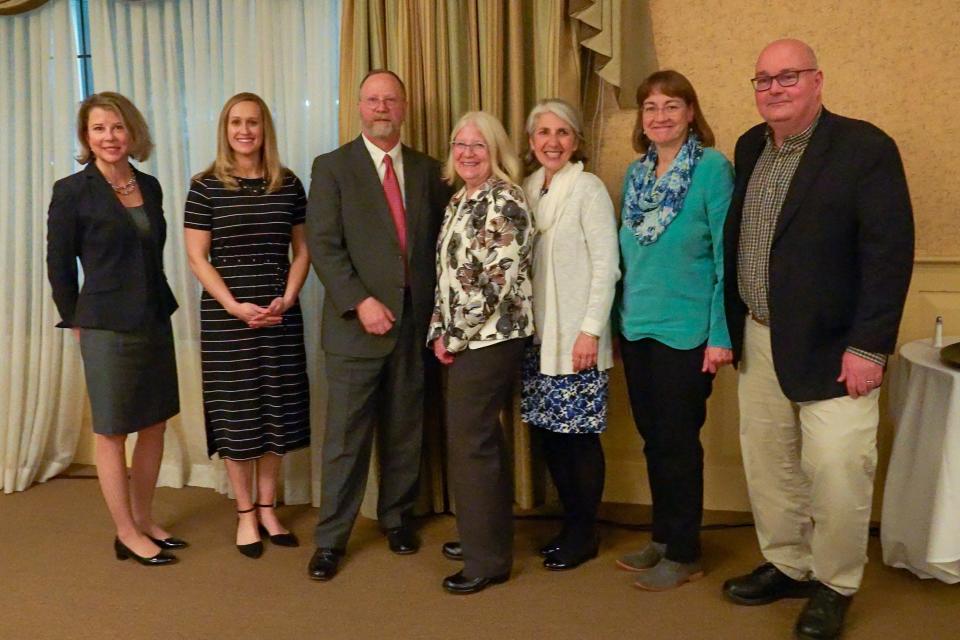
[
  {"x": 766, "y": 584},
  {"x": 280, "y": 539},
  {"x": 254, "y": 549},
  {"x": 402, "y": 540},
  {"x": 452, "y": 550},
  {"x": 563, "y": 560},
  {"x": 169, "y": 543},
  {"x": 822, "y": 617},
  {"x": 461, "y": 585},
  {"x": 552, "y": 546},
  {"x": 123, "y": 552},
  {"x": 324, "y": 564}
]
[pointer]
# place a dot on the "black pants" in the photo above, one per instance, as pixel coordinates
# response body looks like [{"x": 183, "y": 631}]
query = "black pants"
[
  {"x": 576, "y": 464},
  {"x": 481, "y": 472},
  {"x": 668, "y": 396}
]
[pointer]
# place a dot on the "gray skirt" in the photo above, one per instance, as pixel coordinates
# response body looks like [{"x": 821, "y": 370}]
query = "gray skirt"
[{"x": 131, "y": 377}]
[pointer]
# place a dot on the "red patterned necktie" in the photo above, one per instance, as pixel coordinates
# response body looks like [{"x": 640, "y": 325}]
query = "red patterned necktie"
[{"x": 391, "y": 189}]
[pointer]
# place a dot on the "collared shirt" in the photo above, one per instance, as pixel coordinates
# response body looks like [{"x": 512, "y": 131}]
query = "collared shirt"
[
  {"x": 766, "y": 193},
  {"x": 396, "y": 154}
]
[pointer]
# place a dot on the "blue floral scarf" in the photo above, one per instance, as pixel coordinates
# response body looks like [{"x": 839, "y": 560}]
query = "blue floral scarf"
[{"x": 649, "y": 204}]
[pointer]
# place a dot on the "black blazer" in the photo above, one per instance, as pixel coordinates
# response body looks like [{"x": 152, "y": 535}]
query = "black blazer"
[
  {"x": 354, "y": 248},
  {"x": 841, "y": 258},
  {"x": 87, "y": 221}
]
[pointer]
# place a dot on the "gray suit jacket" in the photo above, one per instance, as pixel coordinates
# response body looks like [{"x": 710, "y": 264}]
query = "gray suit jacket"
[{"x": 354, "y": 248}]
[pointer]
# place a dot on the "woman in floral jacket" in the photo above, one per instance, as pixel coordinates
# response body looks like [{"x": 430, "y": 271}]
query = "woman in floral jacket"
[{"x": 481, "y": 323}]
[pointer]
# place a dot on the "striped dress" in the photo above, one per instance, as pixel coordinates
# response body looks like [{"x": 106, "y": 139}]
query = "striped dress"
[{"x": 255, "y": 390}]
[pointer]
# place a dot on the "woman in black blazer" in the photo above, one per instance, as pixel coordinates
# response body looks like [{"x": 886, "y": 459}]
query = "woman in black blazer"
[{"x": 110, "y": 216}]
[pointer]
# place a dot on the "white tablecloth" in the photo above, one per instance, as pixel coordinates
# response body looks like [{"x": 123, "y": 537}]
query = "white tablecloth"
[{"x": 920, "y": 526}]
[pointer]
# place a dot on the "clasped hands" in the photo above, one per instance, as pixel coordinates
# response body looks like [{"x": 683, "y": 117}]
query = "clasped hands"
[{"x": 257, "y": 317}]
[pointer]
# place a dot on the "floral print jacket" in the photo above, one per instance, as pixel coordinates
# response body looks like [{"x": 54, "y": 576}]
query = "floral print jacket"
[{"x": 484, "y": 291}]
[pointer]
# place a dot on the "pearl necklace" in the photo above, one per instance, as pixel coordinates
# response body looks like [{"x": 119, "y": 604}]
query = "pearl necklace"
[{"x": 127, "y": 188}]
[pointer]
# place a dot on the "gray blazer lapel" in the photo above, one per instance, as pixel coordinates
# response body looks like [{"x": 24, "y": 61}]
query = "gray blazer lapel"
[
  {"x": 807, "y": 171},
  {"x": 413, "y": 187}
]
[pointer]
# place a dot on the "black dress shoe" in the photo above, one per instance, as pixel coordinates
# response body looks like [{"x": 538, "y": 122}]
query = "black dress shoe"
[
  {"x": 169, "y": 543},
  {"x": 563, "y": 559},
  {"x": 324, "y": 563},
  {"x": 822, "y": 618},
  {"x": 123, "y": 552},
  {"x": 462, "y": 585},
  {"x": 551, "y": 547},
  {"x": 252, "y": 549},
  {"x": 403, "y": 541},
  {"x": 766, "y": 584},
  {"x": 452, "y": 550},
  {"x": 280, "y": 539}
]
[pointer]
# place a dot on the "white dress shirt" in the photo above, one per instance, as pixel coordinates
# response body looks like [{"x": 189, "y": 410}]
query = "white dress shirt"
[{"x": 396, "y": 154}]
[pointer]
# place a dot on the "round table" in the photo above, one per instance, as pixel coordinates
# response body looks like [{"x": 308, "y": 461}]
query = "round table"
[{"x": 920, "y": 522}]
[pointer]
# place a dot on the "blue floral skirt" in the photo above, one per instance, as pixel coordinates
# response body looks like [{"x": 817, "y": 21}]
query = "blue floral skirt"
[{"x": 571, "y": 403}]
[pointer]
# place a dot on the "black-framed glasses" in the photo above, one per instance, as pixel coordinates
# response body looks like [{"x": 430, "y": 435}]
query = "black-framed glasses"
[{"x": 786, "y": 78}]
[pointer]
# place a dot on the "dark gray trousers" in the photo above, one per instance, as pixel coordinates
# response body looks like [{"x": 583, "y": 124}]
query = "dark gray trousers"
[
  {"x": 481, "y": 473},
  {"x": 368, "y": 396}
]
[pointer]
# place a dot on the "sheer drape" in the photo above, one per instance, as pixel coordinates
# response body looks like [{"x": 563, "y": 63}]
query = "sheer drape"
[
  {"x": 179, "y": 60},
  {"x": 41, "y": 382}
]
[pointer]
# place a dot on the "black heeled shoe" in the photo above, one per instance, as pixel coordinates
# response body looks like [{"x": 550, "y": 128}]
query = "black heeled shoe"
[
  {"x": 280, "y": 539},
  {"x": 169, "y": 543},
  {"x": 254, "y": 549},
  {"x": 123, "y": 552}
]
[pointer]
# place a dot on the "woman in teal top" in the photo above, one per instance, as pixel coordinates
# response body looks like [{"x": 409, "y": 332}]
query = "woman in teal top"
[{"x": 673, "y": 331}]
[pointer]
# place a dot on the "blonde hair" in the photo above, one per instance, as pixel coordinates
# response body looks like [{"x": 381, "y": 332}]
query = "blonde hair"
[
  {"x": 139, "y": 144},
  {"x": 223, "y": 166},
  {"x": 504, "y": 162}
]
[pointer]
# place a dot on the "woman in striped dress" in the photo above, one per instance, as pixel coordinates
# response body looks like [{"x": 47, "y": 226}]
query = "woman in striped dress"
[{"x": 243, "y": 215}]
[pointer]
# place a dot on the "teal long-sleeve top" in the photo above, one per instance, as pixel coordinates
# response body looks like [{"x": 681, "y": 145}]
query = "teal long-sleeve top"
[{"x": 672, "y": 290}]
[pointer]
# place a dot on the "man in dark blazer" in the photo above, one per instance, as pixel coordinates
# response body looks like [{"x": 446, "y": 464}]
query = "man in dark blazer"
[
  {"x": 819, "y": 237},
  {"x": 373, "y": 216}
]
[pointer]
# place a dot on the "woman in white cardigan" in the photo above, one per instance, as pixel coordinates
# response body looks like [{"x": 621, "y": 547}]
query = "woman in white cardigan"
[{"x": 575, "y": 270}]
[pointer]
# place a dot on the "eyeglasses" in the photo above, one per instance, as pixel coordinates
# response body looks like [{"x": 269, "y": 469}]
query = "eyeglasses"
[
  {"x": 671, "y": 109},
  {"x": 786, "y": 78},
  {"x": 373, "y": 103},
  {"x": 473, "y": 147}
]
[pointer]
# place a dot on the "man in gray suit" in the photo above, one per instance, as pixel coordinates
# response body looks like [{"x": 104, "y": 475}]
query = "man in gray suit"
[{"x": 373, "y": 216}]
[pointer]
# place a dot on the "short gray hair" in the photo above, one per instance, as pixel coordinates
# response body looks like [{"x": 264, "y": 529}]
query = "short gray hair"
[{"x": 566, "y": 112}]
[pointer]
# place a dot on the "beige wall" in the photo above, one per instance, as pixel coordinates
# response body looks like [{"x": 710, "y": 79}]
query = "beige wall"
[{"x": 890, "y": 62}]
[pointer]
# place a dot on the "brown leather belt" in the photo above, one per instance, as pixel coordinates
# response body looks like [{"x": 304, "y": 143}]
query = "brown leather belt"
[{"x": 765, "y": 323}]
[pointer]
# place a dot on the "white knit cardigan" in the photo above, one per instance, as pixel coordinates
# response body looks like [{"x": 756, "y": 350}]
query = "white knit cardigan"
[{"x": 576, "y": 265}]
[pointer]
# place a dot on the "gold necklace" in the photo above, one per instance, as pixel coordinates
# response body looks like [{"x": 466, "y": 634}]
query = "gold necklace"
[{"x": 126, "y": 188}]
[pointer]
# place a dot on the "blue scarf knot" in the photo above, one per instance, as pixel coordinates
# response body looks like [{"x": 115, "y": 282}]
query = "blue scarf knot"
[{"x": 649, "y": 204}]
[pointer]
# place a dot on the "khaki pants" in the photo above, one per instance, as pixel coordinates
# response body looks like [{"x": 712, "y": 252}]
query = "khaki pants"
[{"x": 810, "y": 469}]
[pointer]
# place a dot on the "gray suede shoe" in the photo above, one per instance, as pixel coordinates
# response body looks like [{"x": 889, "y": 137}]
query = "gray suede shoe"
[
  {"x": 669, "y": 575},
  {"x": 647, "y": 558}
]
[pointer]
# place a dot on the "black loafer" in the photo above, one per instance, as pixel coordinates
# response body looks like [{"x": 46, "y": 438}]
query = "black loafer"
[
  {"x": 324, "y": 563},
  {"x": 822, "y": 618},
  {"x": 461, "y": 585},
  {"x": 766, "y": 584},
  {"x": 169, "y": 543},
  {"x": 452, "y": 550},
  {"x": 403, "y": 541}
]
